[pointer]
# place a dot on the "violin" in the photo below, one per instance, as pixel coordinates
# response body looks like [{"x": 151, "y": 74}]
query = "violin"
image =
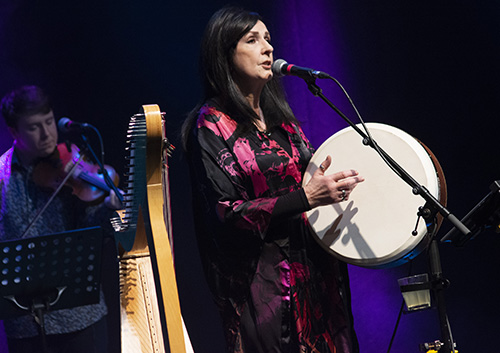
[{"x": 87, "y": 181}]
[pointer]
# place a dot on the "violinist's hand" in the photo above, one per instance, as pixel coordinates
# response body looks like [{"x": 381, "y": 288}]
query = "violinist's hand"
[
  {"x": 327, "y": 189},
  {"x": 112, "y": 201}
]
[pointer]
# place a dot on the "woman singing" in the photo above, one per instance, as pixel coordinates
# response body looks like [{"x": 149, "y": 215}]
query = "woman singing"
[{"x": 276, "y": 289}]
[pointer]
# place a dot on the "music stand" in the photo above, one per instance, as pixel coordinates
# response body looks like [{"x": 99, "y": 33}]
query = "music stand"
[
  {"x": 50, "y": 272},
  {"x": 485, "y": 214}
]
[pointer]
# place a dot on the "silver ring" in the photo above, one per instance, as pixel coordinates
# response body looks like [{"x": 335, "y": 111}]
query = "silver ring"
[
  {"x": 343, "y": 195},
  {"x": 322, "y": 167}
]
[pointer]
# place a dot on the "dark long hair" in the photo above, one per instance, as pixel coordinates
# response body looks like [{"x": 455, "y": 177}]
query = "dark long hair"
[{"x": 226, "y": 27}]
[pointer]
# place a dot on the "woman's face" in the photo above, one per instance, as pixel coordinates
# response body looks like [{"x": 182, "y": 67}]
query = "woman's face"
[{"x": 253, "y": 57}]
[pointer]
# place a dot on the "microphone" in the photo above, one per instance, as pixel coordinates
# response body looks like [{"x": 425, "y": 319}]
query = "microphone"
[
  {"x": 281, "y": 68},
  {"x": 66, "y": 125}
]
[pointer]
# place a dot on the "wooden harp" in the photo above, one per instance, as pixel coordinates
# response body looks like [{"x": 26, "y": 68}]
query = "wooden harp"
[{"x": 150, "y": 314}]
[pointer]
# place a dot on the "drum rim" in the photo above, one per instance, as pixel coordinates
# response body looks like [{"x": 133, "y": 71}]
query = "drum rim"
[{"x": 404, "y": 252}]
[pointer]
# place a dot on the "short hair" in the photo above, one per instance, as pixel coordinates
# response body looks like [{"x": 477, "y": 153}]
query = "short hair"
[{"x": 22, "y": 102}]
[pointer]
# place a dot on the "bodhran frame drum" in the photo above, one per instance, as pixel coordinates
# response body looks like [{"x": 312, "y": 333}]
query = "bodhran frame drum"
[{"x": 373, "y": 228}]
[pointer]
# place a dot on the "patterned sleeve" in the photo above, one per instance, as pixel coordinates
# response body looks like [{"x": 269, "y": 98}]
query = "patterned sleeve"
[{"x": 227, "y": 189}]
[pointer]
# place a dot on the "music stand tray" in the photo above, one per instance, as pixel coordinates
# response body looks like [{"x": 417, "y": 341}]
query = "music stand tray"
[
  {"x": 59, "y": 270},
  {"x": 484, "y": 215}
]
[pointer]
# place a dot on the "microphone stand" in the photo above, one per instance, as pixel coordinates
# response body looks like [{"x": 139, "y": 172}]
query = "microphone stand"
[
  {"x": 105, "y": 174},
  {"x": 431, "y": 207}
]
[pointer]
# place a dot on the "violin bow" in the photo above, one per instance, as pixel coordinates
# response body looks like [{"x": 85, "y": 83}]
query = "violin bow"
[{"x": 59, "y": 187}]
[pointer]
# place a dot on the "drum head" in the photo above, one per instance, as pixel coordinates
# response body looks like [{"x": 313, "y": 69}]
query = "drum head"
[{"x": 374, "y": 227}]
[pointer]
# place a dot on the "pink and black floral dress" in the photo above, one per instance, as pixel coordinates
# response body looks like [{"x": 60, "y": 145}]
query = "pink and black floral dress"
[{"x": 276, "y": 289}]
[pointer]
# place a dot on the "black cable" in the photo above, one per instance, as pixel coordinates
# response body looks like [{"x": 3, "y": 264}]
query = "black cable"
[
  {"x": 400, "y": 313},
  {"x": 98, "y": 133},
  {"x": 396, "y": 326},
  {"x": 370, "y": 138},
  {"x": 375, "y": 146}
]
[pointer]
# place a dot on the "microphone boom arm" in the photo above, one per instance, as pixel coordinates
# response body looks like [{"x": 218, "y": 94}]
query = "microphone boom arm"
[
  {"x": 432, "y": 203},
  {"x": 417, "y": 189}
]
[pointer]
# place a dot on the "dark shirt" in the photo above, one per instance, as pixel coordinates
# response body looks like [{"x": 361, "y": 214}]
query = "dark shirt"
[{"x": 20, "y": 200}]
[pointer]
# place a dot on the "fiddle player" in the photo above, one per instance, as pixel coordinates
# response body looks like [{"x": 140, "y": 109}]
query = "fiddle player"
[{"x": 30, "y": 120}]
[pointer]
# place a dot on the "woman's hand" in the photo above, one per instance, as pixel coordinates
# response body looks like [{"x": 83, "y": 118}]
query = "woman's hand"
[{"x": 327, "y": 189}]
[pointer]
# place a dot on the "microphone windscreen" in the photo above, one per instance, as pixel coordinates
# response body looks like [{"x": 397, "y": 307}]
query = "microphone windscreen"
[
  {"x": 278, "y": 66},
  {"x": 63, "y": 124}
]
